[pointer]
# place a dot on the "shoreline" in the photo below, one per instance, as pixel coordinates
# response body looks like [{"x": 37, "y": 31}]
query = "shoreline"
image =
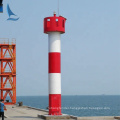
[{"x": 15, "y": 112}]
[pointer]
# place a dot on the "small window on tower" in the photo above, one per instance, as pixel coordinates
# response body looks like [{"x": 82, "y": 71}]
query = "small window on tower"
[
  {"x": 48, "y": 19},
  {"x": 57, "y": 22},
  {"x": 48, "y": 22}
]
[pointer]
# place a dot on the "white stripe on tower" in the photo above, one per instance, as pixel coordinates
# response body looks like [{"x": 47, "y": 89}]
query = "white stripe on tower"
[
  {"x": 54, "y": 42},
  {"x": 54, "y": 83}
]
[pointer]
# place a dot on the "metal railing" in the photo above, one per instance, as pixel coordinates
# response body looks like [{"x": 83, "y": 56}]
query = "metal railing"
[
  {"x": 7, "y": 85},
  {"x": 7, "y": 41},
  {"x": 8, "y": 56},
  {"x": 5, "y": 71}
]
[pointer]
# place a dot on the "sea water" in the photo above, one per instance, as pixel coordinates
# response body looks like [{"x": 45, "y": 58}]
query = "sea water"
[{"x": 101, "y": 105}]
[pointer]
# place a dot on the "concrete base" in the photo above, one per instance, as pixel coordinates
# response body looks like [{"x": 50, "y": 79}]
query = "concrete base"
[
  {"x": 117, "y": 117},
  {"x": 52, "y": 117}
]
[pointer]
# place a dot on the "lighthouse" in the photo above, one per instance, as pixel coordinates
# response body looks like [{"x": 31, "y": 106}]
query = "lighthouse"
[{"x": 54, "y": 26}]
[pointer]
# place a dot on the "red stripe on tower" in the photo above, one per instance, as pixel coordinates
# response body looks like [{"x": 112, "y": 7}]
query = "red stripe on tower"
[
  {"x": 55, "y": 104},
  {"x": 54, "y": 26},
  {"x": 54, "y": 62}
]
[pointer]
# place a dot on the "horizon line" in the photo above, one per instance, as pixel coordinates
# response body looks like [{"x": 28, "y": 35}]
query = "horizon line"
[{"x": 70, "y": 95}]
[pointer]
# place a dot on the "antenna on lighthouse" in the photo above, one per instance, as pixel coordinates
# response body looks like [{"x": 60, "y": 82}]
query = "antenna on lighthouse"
[{"x": 58, "y": 7}]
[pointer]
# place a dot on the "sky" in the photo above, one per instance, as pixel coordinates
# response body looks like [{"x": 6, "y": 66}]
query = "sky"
[{"x": 90, "y": 54}]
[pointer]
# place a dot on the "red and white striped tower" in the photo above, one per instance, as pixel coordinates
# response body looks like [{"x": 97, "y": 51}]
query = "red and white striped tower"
[{"x": 54, "y": 26}]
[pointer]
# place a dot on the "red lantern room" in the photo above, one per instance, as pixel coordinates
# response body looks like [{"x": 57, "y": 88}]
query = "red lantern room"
[{"x": 54, "y": 24}]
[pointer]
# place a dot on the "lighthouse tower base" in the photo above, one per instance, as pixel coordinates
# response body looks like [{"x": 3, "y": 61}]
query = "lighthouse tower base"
[{"x": 52, "y": 117}]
